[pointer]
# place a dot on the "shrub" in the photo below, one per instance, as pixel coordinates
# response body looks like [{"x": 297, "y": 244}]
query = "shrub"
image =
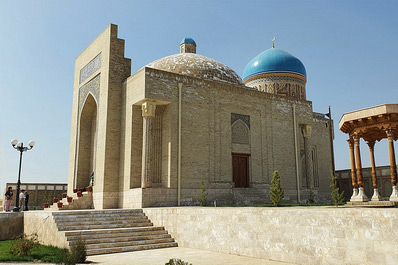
[
  {"x": 311, "y": 195},
  {"x": 276, "y": 191},
  {"x": 174, "y": 261},
  {"x": 338, "y": 198},
  {"x": 24, "y": 245},
  {"x": 77, "y": 253},
  {"x": 203, "y": 194}
]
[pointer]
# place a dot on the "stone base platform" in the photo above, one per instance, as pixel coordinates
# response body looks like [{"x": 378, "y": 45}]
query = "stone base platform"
[{"x": 373, "y": 204}]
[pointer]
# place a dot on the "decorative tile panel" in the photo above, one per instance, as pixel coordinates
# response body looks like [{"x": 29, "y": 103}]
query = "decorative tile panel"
[
  {"x": 90, "y": 68},
  {"x": 240, "y": 128},
  {"x": 244, "y": 118},
  {"x": 93, "y": 87}
]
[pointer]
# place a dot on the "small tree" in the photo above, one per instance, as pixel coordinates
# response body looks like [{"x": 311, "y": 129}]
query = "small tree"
[
  {"x": 276, "y": 191},
  {"x": 338, "y": 198},
  {"x": 203, "y": 194},
  {"x": 175, "y": 261},
  {"x": 311, "y": 195}
]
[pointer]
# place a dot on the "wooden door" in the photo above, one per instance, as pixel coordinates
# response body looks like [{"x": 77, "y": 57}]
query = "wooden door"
[{"x": 240, "y": 170}]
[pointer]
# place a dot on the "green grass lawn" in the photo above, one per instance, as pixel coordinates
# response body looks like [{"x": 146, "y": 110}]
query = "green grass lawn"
[{"x": 40, "y": 253}]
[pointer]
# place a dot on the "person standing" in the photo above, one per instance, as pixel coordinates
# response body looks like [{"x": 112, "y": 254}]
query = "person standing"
[
  {"x": 22, "y": 200},
  {"x": 7, "y": 203},
  {"x": 26, "y": 201}
]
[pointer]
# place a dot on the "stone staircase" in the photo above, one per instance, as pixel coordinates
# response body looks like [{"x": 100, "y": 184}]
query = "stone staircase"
[
  {"x": 77, "y": 203},
  {"x": 112, "y": 231}
]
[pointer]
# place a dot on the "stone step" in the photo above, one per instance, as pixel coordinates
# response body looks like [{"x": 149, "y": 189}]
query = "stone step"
[
  {"x": 129, "y": 243},
  {"x": 98, "y": 216},
  {"x": 103, "y": 226},
  {"x": 110, "y": 236},
  {"x": 102, "y": 223},
  {"x": 151, "y": 236},
  {"x": 80, "y": 221},
  {"x": 130, "y": 248},
  {"x": 97, "y": 212},
  {"x": 115, "y": 232},
  {"x": 112, "y": 231}
]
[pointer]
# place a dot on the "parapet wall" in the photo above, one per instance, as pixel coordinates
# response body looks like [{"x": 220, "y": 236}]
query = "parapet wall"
[
  {"x": 302, "y": 235},
  {"x": 43, "y": 224},
  {"x": 11, "y": 225}
]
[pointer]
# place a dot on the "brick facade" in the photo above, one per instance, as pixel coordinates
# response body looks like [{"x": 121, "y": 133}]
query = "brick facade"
[{"x": 194, "y": 111}]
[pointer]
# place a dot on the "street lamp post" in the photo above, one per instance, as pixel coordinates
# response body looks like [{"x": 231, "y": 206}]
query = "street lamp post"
[
  {"x": 329, "y": 115},
  {"x": 19, "y": 147}
]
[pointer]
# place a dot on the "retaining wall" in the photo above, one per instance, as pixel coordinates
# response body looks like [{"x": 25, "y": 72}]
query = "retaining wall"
[
  {"x": 302, "y": 235},
  {"x": 11, "y": 225}
]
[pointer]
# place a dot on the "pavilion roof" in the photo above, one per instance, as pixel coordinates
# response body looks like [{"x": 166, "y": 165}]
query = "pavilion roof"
[{"x": 371, "y": 123}]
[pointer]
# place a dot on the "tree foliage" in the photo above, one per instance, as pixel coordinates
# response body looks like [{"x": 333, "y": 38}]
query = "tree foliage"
[
  {"x": 24, "y": 245},
  {"x": 177, "y": 262},
  {"x": 276, "y": 191},
  {"x": 77, "y": 253},
  {"x": 203, "y": 194},
  {"x": 311, "y": 196},
  {"x": 338, "y": 198}
]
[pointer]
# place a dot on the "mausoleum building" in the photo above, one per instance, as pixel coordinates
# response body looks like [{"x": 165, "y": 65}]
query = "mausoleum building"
[{"x": 186, "y": 122}]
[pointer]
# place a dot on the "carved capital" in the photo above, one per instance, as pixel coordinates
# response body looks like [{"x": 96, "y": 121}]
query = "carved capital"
[
  {"x": 148, "y": 109},
  {"x": 356, "y": 137},
  {"x": 390, "y": 133},
  {"x": 371, "y": 145},
  {"x": 350, "y": 142}
]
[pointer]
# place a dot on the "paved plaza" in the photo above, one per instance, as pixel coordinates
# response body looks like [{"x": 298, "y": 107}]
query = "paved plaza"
[{"x": 194, "y": 256}]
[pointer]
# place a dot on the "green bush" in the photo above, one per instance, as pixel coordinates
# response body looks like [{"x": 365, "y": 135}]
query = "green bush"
[
  {"x": 203, "y": 194},
  {"x": 177, "y": 262},
  {"x": 311, "y": 196},
  {"x": 276, "y": 191},
  {"x": 23, "y": 246},
  {"x": 338, "y": 198},
  {"x": 77, "y": 253}
]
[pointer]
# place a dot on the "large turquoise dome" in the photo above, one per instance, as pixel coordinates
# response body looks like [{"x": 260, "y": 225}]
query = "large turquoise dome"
[{"x": 274, "y": 61}]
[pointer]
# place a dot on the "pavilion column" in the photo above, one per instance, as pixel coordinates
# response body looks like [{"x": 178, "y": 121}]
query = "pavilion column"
[
  {"x": 361, "y": 194},
  {"x": 393, "y": 166},
  {"x": 148, "y": 113},
  {"x": 376, "y": 196},
  {"x": 353, "y": 169}
]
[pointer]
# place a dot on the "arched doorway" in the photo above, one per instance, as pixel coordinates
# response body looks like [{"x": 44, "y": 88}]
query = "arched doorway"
[{"x": 87, "y": 142}]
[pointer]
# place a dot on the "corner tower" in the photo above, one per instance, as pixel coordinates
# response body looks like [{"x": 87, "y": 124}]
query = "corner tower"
[{"x": 277, "y": 72}]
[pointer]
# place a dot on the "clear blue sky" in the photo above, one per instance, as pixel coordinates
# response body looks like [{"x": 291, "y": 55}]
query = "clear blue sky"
[{"x": 349, "y": 49}]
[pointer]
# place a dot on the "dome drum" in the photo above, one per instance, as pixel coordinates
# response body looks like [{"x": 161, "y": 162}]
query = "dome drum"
[{"x": 287, "y": 88}]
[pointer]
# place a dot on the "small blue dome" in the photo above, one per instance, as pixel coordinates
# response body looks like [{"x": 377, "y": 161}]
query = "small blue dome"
[
  {"x": 273, "y": 61},
  {"x": 187, "y": 40}
]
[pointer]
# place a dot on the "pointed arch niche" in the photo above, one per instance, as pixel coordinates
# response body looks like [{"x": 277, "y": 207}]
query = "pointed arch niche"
[
  {"x": 240, "y": 132},
  {"x": 87, "y": 142}
]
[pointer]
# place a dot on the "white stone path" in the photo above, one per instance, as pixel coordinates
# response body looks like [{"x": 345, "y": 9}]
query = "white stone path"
[{"x": 194, "y": 256}]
